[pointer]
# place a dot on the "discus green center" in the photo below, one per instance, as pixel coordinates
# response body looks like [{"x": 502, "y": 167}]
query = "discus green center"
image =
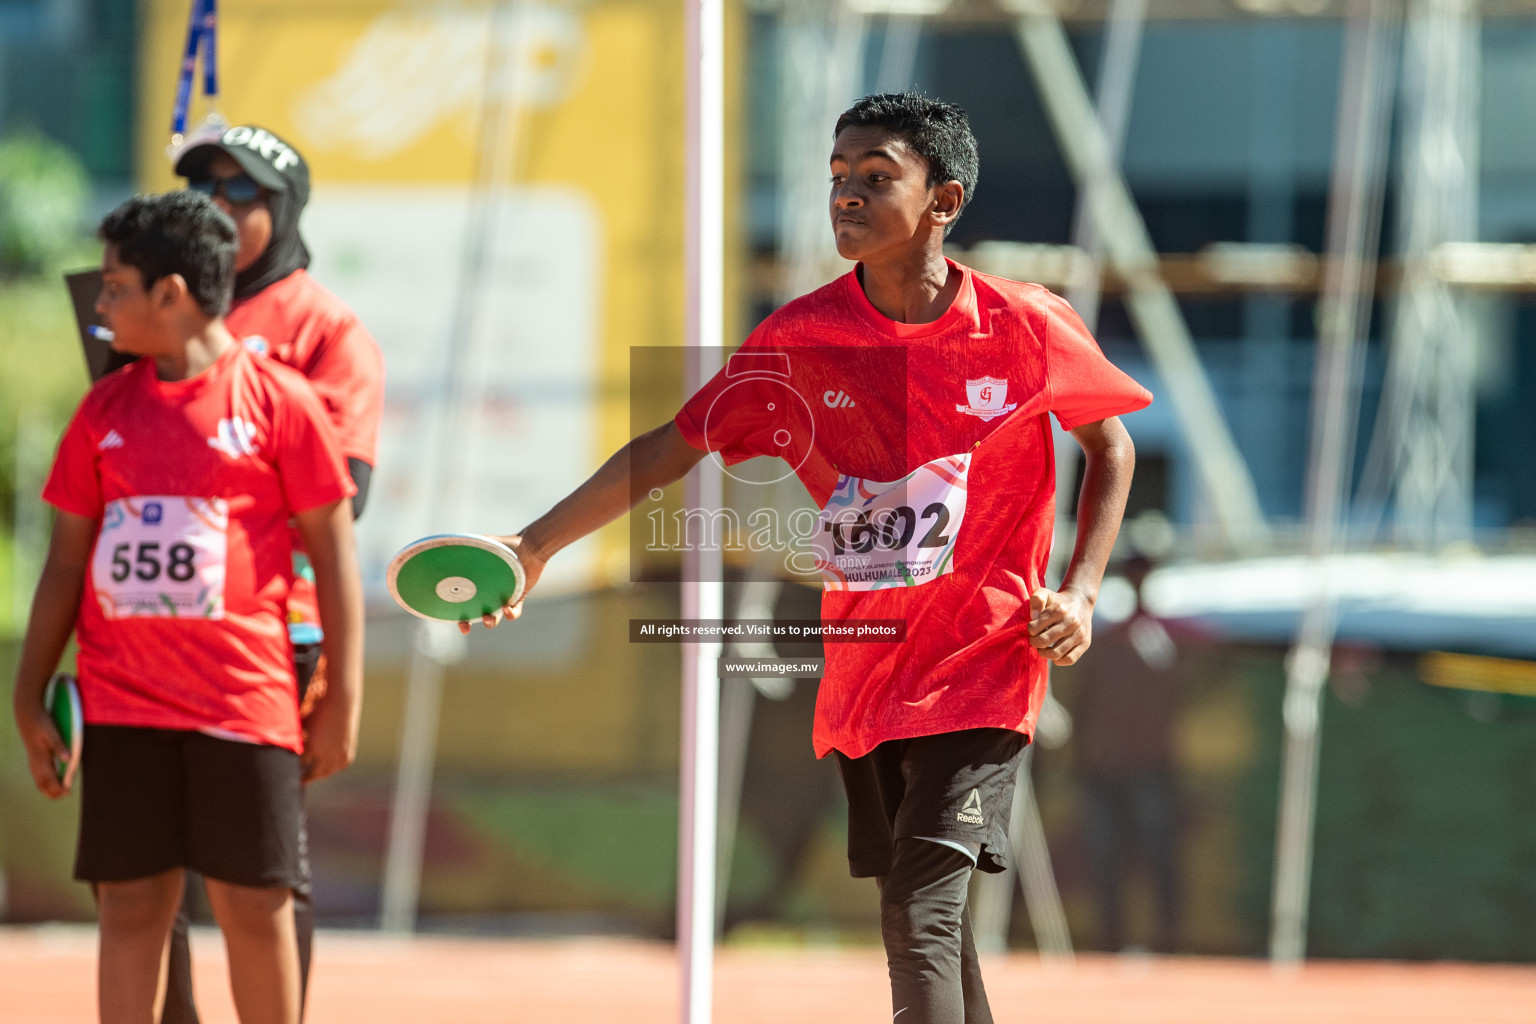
[{"x": 494, "y": 581}]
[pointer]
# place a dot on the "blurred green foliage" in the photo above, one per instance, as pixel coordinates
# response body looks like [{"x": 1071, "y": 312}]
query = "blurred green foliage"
[
  {"x": 42, "y": 376},
  {"x": 37, "y": 835},
  {"x": 44, "y": 199},
  {"x": 1425, "y": 842},
  {"x": 42, "y": 369},
  {"x": 44, "y": 192}
]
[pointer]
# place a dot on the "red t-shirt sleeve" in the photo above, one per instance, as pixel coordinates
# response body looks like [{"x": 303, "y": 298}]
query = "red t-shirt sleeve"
[
  {"x": 74, "y": 484},
  {"x": 348, "y": 375},
  {"x": 748, "y": 408},
  {"x": 306, "y": 452},
  {"x": 1084, "y": 386}
]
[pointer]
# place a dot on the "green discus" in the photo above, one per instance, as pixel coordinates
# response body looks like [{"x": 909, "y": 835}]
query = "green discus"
[
  {"x": 62, "y": 699},
  {"x": 455, "y": 577}
]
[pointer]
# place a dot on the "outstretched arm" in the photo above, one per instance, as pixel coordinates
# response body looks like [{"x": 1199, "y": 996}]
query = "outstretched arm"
[
  {"x": 1061, "y": 621},
  {"x": 654, "y": 459},
  {"x": 54, "y": 609}
]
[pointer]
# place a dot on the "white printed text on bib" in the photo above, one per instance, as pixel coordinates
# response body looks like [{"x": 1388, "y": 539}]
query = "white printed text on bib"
[
  {"x": 162, "y": 556},
  {"x": 871, "y": 536}
]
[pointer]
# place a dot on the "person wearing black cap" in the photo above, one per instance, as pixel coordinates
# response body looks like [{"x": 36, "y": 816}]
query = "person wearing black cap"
[{"x": 279, "y": 311}]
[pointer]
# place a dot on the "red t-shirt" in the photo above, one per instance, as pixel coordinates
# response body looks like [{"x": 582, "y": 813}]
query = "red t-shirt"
[
  {"x": 929, "y": 450},
  {"x": 301, "y": 324},
  {"x": 193, "y": 483}
]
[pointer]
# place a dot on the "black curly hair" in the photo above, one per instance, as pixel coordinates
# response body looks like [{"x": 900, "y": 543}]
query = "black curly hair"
[
  {"x": 937, "y": 131},
  {"x": 177, "y": 233}
]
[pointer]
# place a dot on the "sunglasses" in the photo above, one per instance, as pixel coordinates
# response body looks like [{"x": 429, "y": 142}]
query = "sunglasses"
[{"x": 239, "y": 190}]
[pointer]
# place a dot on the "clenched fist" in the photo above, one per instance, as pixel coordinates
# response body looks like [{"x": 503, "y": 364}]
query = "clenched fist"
[{"x": 1060, "y": 624}]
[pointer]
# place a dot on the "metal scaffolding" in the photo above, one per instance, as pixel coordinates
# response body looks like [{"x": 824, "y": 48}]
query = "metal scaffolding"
[
  {"x": 1421, "y": 451},
  {"x": 821, "y": 51},
  {"x": 1223, "y": 473},
  {"x": 1354, "y": 235}
]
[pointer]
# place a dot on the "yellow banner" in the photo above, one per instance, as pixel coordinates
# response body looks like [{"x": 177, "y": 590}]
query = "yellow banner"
[{"x": 553, "y": 129}]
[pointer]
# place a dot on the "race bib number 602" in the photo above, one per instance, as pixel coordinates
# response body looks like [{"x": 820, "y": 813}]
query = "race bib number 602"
[
  {"x": 871, "y": 536},
  {"x": 162, "y": 556}
]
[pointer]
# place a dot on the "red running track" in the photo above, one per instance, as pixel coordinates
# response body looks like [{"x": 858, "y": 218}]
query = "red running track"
[{"x": 47, "y": 977}]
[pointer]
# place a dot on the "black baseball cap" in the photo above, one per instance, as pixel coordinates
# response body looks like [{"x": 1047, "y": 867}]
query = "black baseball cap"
[{"x": 271, "y": 162}]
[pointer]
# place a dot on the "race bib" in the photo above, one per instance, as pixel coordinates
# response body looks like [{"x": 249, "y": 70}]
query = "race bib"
[
  {"x": 163, "y": 557},
  {"x": 871, "y": 536}
]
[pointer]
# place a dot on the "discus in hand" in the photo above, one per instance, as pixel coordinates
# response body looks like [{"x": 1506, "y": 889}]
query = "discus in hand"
[
  {"x": 62, "y": 699},
  {"x": 456, "y": 577}
]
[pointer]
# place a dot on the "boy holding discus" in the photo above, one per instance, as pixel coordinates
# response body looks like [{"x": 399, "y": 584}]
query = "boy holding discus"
[
  {"x": 281, "y": 312},
  {"x": 171, "y": 559},
  {"x": 937, "y": 489}
]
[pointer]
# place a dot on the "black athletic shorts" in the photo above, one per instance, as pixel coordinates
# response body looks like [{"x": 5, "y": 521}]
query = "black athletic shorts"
[
  {"x": 306, "y": 659},
  {"x": 157, "y": 799},
  {"x": 954, "y": 785}
]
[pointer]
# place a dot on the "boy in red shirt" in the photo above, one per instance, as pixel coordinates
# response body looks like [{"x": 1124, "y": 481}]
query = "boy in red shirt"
[
  {"x": 279, "y": 311},
  {"x": 929, "y": 389},
  {"x": 171, "y": 560}
]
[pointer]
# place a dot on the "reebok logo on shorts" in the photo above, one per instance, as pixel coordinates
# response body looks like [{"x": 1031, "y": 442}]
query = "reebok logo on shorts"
[{"x": 971, "y": 812}]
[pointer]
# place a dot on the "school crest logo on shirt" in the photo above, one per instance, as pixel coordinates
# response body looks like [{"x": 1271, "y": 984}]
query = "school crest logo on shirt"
[
  {"x": 235, "y": 437},
  {"x": 988, "y": 398}
]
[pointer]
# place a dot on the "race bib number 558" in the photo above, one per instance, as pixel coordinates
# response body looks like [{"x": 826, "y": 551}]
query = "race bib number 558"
[
  {"x": 163, "y": 557},
  {"x": 871, "y": 536}
]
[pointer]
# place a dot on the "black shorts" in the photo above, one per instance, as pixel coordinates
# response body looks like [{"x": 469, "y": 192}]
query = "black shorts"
[
  {"x": 157, "y": 799},
  {"x": 306, "y": 659},
  {"x": 954, "y": 785}
]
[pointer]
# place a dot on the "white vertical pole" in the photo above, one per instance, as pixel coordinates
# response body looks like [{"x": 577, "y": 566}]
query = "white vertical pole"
[
  {"x": 1422, "y": 444},
  {"x": 1116, "y": 89},
  {"x": 703, "y": 591},
  {"x": 1117, "y": 86},
  {"x": 1354, "y": 224},
  {"x": 435, "y": 646}
]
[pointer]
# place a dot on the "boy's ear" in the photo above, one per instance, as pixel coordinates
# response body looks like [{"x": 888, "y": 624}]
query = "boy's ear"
[
  {"x": 169, "y": 292},
  {"x": 947, "y": 200}
]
